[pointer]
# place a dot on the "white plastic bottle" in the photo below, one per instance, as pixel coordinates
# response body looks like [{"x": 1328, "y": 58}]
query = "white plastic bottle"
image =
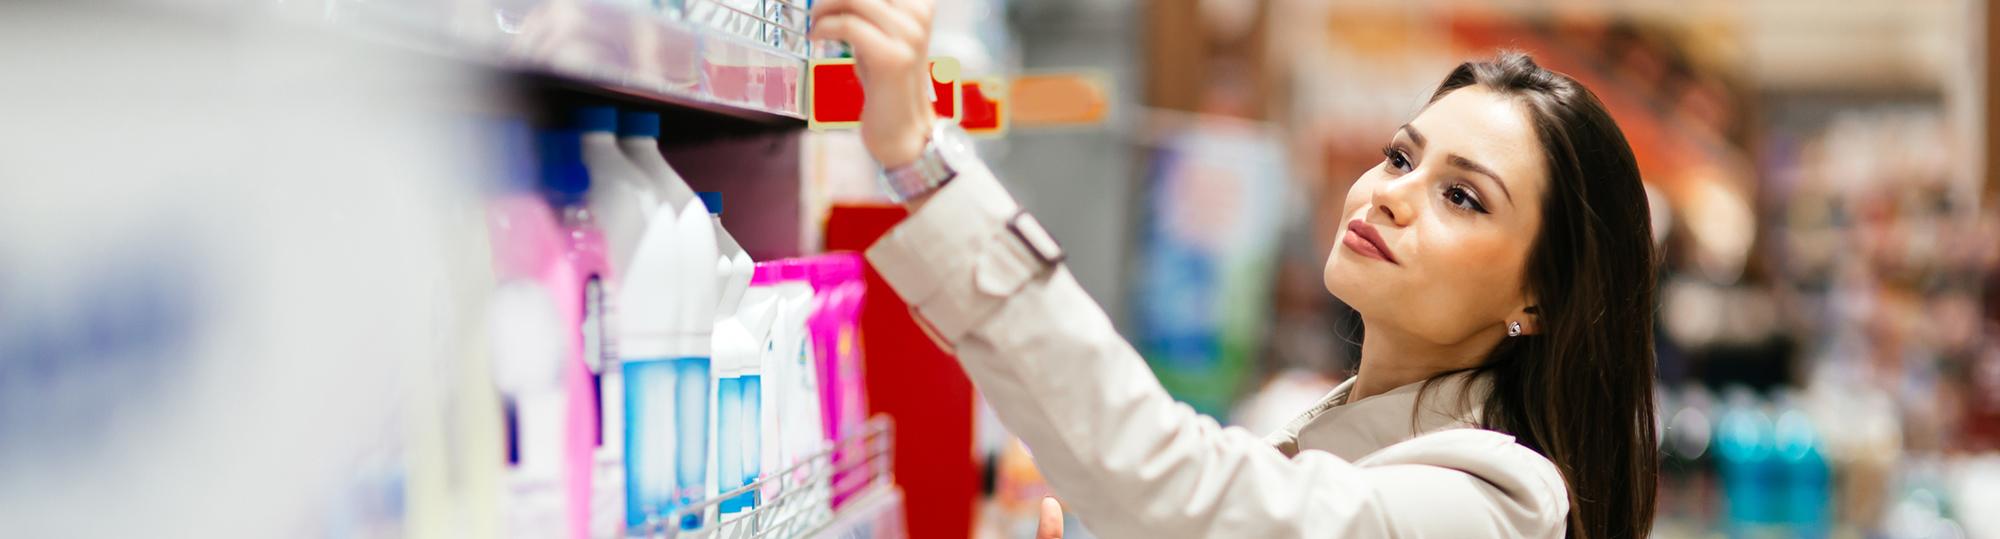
[
  {"x": 622, "y": 197},
  {"x": 619, "y": 206},
  {"x": 792, "y": 375},
  {"x": 734, "y": 351},
  {"x": 736, "y": 263},
  {"x": 527, "y": 370},
  {"x": 667, "y": 306},
  {"x": 733, "y": 272},
  {"x": 639, "y": 137},
  {"x": 757, "y": 314}
]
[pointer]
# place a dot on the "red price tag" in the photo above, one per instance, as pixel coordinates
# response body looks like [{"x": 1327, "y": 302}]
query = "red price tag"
[
  {"x": 985, "y": 104},
  {"x": 834, "y": 96}
]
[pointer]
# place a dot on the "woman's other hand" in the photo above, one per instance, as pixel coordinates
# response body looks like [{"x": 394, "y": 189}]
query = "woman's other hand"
[
  {"x": 891, "y": 44},
  {"x": 1052, "y": 520}
]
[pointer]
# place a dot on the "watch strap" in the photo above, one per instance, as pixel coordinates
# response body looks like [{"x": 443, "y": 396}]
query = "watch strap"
[{"x": 930, "y": 171}]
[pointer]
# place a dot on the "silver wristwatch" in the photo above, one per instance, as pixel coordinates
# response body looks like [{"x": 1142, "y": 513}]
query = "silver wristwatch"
[{"x": 948, "y": 151}]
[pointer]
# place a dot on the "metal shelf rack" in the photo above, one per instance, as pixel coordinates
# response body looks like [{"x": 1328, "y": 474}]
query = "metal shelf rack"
[
  {"x": 741, "y": 58},
  {"x": 799, "y": 501}
]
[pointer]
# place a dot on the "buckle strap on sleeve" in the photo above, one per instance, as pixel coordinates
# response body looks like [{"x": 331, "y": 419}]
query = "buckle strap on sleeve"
[{"x": 1036, "y": 239}]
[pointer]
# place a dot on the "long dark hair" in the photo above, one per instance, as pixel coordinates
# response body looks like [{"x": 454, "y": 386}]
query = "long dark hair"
[{"x": 1580, "y": 390}]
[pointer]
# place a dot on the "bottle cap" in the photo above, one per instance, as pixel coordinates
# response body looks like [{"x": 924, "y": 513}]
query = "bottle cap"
[
  {"x": 712, "y": 200},
  {"x": 563, "y": 174},
  {"x": 638, "y": 123},
  {"x": 597, "y": 119}
]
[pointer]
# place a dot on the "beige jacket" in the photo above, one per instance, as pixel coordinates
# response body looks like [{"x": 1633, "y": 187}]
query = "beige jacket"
[{"x": 1132, "y": 462}]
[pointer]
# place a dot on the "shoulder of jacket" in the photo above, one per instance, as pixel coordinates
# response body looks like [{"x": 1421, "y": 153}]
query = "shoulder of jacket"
[{"x": 1521, "y": 474}]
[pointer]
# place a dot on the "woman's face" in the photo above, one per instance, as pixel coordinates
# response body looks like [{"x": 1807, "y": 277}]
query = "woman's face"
[{"x": 1456, "y": 204}]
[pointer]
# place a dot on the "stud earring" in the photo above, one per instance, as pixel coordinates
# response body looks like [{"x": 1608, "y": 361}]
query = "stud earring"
[{"x": 1513, "y": 329}]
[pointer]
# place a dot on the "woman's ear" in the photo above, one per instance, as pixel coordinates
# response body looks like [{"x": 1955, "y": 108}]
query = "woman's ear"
[{"x": 1530, "y": 319}]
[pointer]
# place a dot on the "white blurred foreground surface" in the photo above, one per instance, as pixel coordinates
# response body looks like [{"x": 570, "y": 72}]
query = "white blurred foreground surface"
[{"x": 222, "y": 271}]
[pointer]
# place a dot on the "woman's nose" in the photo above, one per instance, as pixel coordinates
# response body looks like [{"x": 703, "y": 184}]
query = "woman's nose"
[{"x": 1397, "y": 199}]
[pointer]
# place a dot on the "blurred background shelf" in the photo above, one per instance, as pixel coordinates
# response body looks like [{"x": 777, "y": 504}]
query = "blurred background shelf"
[
  {"x": 726, "y": 76},
  {"x": 741, "y": 59}
]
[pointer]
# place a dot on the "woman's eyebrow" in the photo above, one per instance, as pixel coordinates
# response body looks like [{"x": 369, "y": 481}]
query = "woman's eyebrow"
[
  {"x": 1471, "y": 166},
  {"x": 1461, "y": 162}
]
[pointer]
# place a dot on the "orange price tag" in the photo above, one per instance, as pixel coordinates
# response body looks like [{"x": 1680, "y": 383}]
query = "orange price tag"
[{"x": 1060, "y": 99}]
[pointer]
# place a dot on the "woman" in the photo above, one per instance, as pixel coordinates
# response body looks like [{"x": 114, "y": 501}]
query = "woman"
[{"x": 1502, "y": 263}]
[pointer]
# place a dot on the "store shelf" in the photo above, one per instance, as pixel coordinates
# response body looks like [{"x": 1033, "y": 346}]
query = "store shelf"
[
  {"x": 722, "y": 57},
  {"x": 847, "y": 490}
]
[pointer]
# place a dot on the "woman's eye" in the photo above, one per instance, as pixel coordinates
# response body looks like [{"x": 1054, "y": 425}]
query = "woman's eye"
[
  {"x": 1463, "y": 198},
  {"x": 1396, "y": 159}
]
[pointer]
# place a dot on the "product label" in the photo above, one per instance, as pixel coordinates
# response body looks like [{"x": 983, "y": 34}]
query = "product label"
[
  {"x": 666, "y": 437},
  {"x": 729, "y": 444},
  {"x": 607, "y": 505},
  {"x": 535, "y": 506}
]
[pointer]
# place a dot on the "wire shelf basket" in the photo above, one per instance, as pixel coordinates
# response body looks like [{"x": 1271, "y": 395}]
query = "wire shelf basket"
[
  {"x": 779, "y": 24},
  {"x": 798, "y": 501}
]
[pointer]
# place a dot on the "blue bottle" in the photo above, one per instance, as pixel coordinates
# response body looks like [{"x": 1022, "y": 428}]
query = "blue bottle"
[
  {"x": 1807, "y": 475},
  {"x": 1751, "y": 473}
]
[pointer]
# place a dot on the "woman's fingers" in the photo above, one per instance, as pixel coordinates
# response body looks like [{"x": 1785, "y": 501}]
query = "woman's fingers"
[
  {"x": 870, "y": 44},
  {"x": 921, "y": 9},
  {"x": 893, "y": 19},
  {"x": 890, "y": 42},
  {"x": 1051, "y": 526}
]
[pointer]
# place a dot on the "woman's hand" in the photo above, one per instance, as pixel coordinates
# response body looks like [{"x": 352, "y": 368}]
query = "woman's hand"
[
  {"x": 891, "y": 43},
  {"x": 1052, "y": 520}
]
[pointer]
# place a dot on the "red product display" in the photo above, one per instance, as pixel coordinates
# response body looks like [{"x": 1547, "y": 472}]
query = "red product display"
[
  {"x": 985, "y": 113},
  {"x": 918, "y": 385},
  {"x": 835, "y": 95}
]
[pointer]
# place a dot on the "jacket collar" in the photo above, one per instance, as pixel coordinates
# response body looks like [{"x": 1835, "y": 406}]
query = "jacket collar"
[{"x": 1352, "y": 430}]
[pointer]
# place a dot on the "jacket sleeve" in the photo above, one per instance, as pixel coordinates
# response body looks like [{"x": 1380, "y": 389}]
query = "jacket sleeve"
[{"x": 1129, "y": 459}]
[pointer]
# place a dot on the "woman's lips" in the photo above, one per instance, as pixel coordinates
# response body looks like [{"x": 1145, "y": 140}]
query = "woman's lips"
[{"x": 1363, "y": 238}]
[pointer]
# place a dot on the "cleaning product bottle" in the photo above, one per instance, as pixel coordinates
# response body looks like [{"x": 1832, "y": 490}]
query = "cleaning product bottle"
[
  {"x": 536, "y": 316},
  {"x": 622, "y": 197},
  {"x": 736, "y": 263},
  {"x": 750, "y": 381},
  {"x": 528, "y": 347},
  {"x": 791, "y": 378},
  {"x": 757, "y": 314},
  {"x": 733, "y": 350},
  {"x": 638, "y": 136},
  {"x": 584, "y": 300},
  {"x": 734, "y": 270},
  {"x": 667, "y": 305},
  {"x": 605, "y": 221},
  {"x": 835, "y": 327}
]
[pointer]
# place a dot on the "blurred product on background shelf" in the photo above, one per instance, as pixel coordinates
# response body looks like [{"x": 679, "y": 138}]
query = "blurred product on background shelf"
[{"x": 1217, "y": 197}]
